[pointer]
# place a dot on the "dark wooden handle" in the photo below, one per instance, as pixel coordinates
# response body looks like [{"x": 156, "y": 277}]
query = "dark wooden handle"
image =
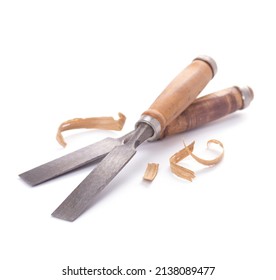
[
  {"x": 209, "y": 108},
  {"x": 182, "y": 91}
]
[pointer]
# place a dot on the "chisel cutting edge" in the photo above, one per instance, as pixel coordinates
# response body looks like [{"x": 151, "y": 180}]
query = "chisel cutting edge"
[{"x": 178, "y": 95}]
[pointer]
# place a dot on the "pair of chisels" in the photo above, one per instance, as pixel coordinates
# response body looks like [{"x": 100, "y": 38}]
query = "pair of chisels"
[{"x": 174, "y": 111}]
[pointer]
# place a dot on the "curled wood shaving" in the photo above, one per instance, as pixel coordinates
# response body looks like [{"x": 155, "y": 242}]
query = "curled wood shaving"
[
  {"x": 151, "y": 171},
  {"x": 108, "y": 123},
  {"x": 178, "y": 170},
  {"x": 186, "y": 173}
]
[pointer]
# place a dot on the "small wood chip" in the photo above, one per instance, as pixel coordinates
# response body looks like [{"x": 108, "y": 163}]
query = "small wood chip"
[
  {"x": 108, "y": 123},
  {"x": 151, "y": 171},
  {"x": 186, "y": 173}
]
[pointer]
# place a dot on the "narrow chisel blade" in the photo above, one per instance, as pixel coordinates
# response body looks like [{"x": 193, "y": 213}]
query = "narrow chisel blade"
[
  {"x": 70, "y": 161},
  {"x": 82, "y": 197}
]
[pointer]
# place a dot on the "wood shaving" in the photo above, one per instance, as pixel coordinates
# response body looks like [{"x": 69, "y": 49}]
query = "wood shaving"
[
  {"x": 186, "y": 173},
  {"x": 108, "y": 123},
  {"x": 151, "y": 171}
]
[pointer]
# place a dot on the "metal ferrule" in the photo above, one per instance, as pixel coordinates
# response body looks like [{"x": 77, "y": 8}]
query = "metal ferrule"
[
  {"x": 247, "y": 95},
  {"x": 210, "y": 61},
  {"x": 155, "y": 125}
]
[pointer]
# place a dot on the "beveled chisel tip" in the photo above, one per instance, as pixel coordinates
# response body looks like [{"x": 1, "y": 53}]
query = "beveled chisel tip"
[
  {"x": 59, "y": 215},
  {"x": 29, "y": 179}
]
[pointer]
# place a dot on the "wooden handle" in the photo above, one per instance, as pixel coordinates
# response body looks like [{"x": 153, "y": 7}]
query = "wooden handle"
[
  {"x": 209, "y": 108},
  {"x": 182, "y": 91}
]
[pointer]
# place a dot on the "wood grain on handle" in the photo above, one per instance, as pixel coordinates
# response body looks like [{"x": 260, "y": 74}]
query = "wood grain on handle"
[
  {"x": 209, "y": 108},
  {"x": 182, "y": 91}
]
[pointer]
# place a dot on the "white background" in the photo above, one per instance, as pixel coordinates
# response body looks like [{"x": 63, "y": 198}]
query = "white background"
[{"x": 65, "y": 59}]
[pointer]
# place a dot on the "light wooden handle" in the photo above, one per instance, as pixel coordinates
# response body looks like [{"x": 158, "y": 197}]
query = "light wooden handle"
[
  {"x": 209, "y": 108},
  {"x": 179, "y": 94}
]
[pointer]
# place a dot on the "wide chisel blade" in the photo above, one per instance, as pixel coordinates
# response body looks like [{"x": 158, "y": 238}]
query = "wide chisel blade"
[
  {"x": 70, "y": 161},
  {"x": 82, "y": 197}
]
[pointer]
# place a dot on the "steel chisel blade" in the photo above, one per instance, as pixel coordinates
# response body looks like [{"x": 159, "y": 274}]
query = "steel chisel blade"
[
  {"x": 82, "y": 197},
  {"x": 69, "y": 162}
]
